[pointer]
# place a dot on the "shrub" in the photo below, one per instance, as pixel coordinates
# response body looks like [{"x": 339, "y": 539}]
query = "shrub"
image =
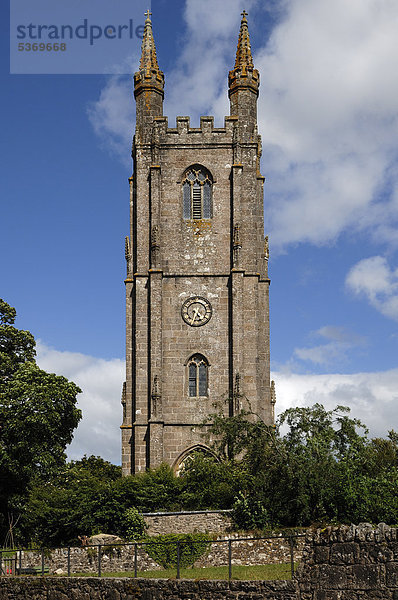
[
  {"x": 135, "y": 524},
  {"x": 163, "y": 548},
  {"x": 249, "y": 513}
]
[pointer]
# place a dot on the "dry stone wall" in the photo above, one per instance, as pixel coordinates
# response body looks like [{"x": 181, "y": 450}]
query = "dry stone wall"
[
  {"x": 188, "y": 522},
  {"x": 350, "y": 563},
  {"x": 345, "y": 563},
  {"x": 119, "y": 558},
  {"x": 51, "y": 588}
]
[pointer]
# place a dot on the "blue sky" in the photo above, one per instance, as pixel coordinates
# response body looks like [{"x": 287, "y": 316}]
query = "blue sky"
[{"x": 328, "y": 119}]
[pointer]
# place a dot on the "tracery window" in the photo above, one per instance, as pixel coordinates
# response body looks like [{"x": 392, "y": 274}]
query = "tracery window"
[
  {"x": 198, "y": 375},
  {"x": 197, "y": 194}
]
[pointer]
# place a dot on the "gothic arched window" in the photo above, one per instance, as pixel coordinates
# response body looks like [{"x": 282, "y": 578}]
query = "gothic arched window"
[
  {"x": 198, "y": 369},
  {"x": 197, "y": 194}
]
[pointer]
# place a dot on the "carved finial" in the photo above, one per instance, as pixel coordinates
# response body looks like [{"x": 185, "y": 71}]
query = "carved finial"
[
  {"x": 237, "y": 236},
  {"x": 244, "y": 14},
  {"x": 237, "y": 394},
  {"x": 244, "y": 53},
  {"x": 155, "y": 247},
  {"x": 148, "y": 50},
  {"x": 148, "y": 14},
  {"x": 127, "y": 248},
  {"x": 273, "y": 392},
  {"x": 154, "y": 235},
  {"x": 155, "y": 395},
  {"x": 124, "y": 400},
  {"x": 266, "y": 248},
  {"x": 237, "y": 383},
  {"x": 127, "y": 254},
  {"x": 155, "y": 387},
  {"x": 236, "y": 245}
]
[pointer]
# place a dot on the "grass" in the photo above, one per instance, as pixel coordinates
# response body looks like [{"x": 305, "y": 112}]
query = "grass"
[{"x": 242, "y": 572}]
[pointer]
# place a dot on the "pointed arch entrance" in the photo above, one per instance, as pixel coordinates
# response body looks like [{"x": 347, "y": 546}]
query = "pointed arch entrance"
[{"x": 188, "y": 454}]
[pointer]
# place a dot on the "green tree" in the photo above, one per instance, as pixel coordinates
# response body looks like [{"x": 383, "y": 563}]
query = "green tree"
[
  {"x": 313, "y": 466},
  {"x": 90, "y": 496},
  {"x": 38, "y": 414}
]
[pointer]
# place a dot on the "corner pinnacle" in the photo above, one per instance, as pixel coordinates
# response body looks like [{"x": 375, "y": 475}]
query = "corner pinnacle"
[
  {"x": 148, "y": 50},
  {"x": 243, "y": 53}
]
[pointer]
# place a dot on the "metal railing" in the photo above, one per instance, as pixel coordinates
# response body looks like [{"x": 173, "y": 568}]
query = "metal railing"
[{"x": 13, "y": 562}]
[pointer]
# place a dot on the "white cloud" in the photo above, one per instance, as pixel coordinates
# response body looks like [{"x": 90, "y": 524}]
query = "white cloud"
[
  {"x": 329, "y": 121},
  {"x": 101, "y": 382},
  {"x": 112, "y": 117},
  {"x": 334, "y": 351},
  {"x": 377, "y": 282},
  {"x": 372, "y": 397},
  {"x": 199, "y": 74},
  {"x": 327, "y": 109}
]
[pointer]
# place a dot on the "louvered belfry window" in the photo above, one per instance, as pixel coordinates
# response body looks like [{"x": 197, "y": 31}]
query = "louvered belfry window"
[
  {"x": 197, "y": 194},
  {"x": 197, "y": 372}
]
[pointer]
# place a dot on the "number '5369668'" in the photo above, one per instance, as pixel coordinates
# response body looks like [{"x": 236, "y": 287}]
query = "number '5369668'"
[{"x": 42, "y": 47}]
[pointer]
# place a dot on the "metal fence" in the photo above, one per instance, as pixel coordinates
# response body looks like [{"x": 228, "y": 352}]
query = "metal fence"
[{"x": 132, "y": 558}]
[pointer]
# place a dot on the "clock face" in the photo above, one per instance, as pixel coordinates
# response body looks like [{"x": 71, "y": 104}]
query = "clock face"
[{"x": 196, "y": 311}]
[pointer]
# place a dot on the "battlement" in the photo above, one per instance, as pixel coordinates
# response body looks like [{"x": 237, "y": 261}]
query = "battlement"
[{"x": 206, "y": 129}]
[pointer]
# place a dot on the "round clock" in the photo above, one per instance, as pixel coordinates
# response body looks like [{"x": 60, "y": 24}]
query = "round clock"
[{"x": 196, "y": 311}]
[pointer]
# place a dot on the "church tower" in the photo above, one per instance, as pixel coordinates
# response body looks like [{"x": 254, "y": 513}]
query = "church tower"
[{"x": 197, "y": 283}]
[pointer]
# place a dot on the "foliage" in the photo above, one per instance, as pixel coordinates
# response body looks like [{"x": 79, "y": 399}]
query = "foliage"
[
  {"x": 209, "y": 483},
  {"x": 163, "y": 548},
  {"x": 315, "y": 466},
  {"x": 135, "y": 524},
  {"x": 38, "y": 414},
  {"x": 249, "y": 513},
  {"x": 90, "y": 496}
]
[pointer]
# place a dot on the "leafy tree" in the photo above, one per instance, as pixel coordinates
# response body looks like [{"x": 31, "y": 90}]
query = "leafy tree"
[
  {"x": 313, "y": 466},
  {"x": 90, "y": 496},
  {"x": 210, "y": 483},
  {"x": 38, "y": 414}
]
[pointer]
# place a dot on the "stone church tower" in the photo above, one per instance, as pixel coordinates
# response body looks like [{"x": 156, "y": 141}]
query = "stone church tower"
[{"x": 197, "y": 283}]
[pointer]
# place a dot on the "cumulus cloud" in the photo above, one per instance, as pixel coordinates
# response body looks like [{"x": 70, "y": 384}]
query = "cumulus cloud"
[
  {"x": 334, "y": 351},
  {"x": 375, "y": 280},
  {"x": 329, "y": 121},
  {"x": 101, "y": 382},
  {"x": 112, "y": 117},
  {"x": 372, "y": 397},
  {"x": 193, "y": 86},
  {"x": 327, "y": 109}
]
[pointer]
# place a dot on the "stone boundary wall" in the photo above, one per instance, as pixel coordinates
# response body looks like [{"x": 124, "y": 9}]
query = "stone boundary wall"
[
  {"x": 203, "y": 521},
  {"x": 350, "y": 563},
  {"x": 91, "y": 588},
  {"x": 339, "y": 563},
  {"x": 116, "y": 558}
]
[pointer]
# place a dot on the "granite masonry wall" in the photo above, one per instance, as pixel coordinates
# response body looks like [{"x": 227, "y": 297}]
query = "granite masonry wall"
[
  {"x": 188, "y": 522},
  {"x": 120, "y": 558},
  {"x": 350, "y": 563},
  {"x": 345, "y": 563},
  {"x": 91, "y": 588}
]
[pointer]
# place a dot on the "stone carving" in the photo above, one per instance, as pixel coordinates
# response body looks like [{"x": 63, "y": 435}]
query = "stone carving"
[
  {"x": 266, "y": 248},
  {"x": 127, "y": 255},
  {"x": 237, "y": 394},
  {"x": 237, "y": 246},
  {"x": 273, "y": 392},
  {"x": 124, "y": 401},
  {"x": 156, "y": 397},
  {"x": 273, "y": 399},
  {"x": 155, "y": 247}
]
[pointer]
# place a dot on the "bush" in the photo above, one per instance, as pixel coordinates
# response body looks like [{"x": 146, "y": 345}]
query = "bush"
[
  {"x": 249, "y": 513},
  {"x": 135, "y": 524},
  {"x": 163, "y": 548}
]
